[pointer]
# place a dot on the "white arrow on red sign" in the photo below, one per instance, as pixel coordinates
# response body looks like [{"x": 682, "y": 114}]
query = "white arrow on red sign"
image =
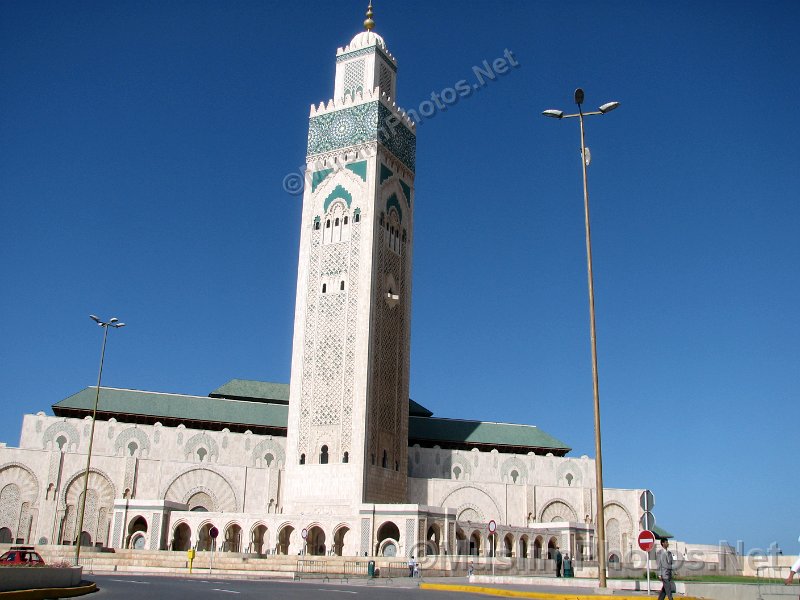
[{"x": 647, "y": 540}]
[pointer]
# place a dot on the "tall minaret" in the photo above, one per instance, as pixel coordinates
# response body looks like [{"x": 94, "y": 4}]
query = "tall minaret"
[{"x": 347, "y": 440}]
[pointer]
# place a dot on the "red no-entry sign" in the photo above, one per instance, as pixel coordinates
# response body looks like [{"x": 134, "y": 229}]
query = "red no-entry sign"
[{"x": 647, "y": 540}]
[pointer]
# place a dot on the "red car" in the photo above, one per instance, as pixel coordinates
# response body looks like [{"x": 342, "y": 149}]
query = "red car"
[{"x": 21, "y": 555}]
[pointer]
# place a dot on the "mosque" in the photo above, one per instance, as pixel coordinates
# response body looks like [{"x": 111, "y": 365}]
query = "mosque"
[{"x": 340, "y": 461}]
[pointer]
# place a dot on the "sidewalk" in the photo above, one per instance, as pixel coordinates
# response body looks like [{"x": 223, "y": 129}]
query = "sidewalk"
[{"x": 545, "y": 590}]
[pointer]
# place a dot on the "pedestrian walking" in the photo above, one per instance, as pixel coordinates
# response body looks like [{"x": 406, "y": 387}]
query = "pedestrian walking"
[
  {"x": 411, "y": 566},
  {"x": 664, "y": 561}
]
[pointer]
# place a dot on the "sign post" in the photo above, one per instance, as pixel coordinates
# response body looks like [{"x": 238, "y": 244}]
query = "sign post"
[
  {"x": 647, "y": 540},
  {"x": 213, "y": 533},
  {"x": 304, "y": 535},
  {"x": 492, "y": 538}
]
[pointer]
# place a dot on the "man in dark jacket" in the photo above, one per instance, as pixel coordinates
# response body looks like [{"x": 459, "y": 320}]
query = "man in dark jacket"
[
  {"x": 559, "y": 560},
  {"x": 664, "y": 561}
]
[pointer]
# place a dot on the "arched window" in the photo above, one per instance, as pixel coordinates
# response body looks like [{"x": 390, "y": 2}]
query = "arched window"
[
  {"x": 324, "y": 287},
  {"x": 323, "y": 455},
  {"x": 385, "y": 460},
  {"x": 302, "y": 459},
  {"x": 346, "y": 457},
  {"x": 61, "y": 441},
  {"x": 357, "y": 217},
  {"x": 336, "y": 222},
  {"x": 132, "y": 448},
  {"x": 345, "y": 220},
  {"x": 341, "y": 285},
  {"x": 268, "y": 458},
  {"x": 201, "y": 453},
  {"x": 328, "y": 224}
]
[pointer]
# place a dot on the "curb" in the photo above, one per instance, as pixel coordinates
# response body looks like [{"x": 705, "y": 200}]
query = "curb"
[
  {"x": 506, "y": 593},
  {"x": 43, "y": 593}
]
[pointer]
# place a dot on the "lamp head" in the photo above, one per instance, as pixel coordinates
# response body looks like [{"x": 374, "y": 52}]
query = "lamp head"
[
  {"x": 579, "y": 96},
  {"x": 551, "y": 112},
  {"x": 95, "y": 318},
  {"x": 608, "y": 107}
]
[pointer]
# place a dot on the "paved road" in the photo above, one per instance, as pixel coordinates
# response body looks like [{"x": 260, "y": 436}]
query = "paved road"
[{"x": 135, "y": 587}]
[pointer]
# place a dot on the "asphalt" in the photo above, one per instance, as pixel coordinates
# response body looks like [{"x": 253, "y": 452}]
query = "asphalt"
[{"x": 442, "y": 584}]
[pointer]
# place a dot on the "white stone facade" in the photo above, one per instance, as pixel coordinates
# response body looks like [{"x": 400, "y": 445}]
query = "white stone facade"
[{"x": 146, "y": 479}]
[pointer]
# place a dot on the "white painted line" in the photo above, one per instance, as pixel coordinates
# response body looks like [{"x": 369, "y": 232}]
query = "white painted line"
[
  {"x": 131, "y": 581},
  {"x": 339, "y": 591},
  {"x": 225, "y": 591}
]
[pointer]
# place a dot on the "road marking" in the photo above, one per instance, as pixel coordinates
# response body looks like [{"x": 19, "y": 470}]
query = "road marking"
[
  {"x": 339, "y": 591},
  {"x": 225, "y": 591},
  {"x": 131, "y": 581}
]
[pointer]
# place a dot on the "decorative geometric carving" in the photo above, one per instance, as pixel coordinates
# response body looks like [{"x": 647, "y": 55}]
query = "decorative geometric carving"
[
  {"x": 61, "y": 427},
  {"x": 366, "y": 537},
  {"x": 409, "y": 537},
  {"x": 558, "y": 510},
  {"x": 265, "y": 447},
  {"x": 194, "y": 443},
  {"x": 354, "y": 77},
  {"x": 508, "y": 468},
  {"x": 126, "y": 436},
  {"x": 155, "y": 532},
  {"x": 181, "y": 488},
  {"x": 367, "y": 122}
]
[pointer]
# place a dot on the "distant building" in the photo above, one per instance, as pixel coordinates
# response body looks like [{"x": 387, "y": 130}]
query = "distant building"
[{"x": 350, "y": 465}]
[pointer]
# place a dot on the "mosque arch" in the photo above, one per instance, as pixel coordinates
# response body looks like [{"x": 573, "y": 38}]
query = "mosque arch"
[
  {"x": 557, "y": 510},
  {"x": 185, "y": 484},
  {"x": 122, "y": 445},
  {"x": 486, "y": 506}
]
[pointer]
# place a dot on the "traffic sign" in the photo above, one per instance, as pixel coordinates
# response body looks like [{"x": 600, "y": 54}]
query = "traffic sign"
[
  {"x": 647, "y": 540},
  {"x": 648, "y": 521},
  {"x": 304, "y": 533},
  {"x": 213, "y": 532},
  {"x": 492, "y": 526},
  {"x": 647, "y": 501}
]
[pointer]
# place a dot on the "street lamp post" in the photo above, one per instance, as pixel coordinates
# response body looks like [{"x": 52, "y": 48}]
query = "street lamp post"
[
  {"x": 115, "y": 323},
  {"x": 585, "y": 159}
]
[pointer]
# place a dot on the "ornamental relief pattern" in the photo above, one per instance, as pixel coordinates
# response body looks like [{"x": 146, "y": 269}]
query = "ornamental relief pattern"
[
  {"x": 390, "y": 351},
  {"x": 368, "y": 122},
  {"x": 329, "y": 346}
]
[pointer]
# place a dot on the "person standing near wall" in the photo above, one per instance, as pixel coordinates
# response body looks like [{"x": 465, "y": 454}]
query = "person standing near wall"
[
  {"x": 664, "y": 561},
  {"x": 559, "y": 560}
]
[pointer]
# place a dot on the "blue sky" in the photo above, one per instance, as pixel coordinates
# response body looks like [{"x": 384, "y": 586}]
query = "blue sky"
[{"x": 142, "y": 150}]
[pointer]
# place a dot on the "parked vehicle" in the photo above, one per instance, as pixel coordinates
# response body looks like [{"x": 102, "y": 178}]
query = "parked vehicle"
[{"x": 21, "y": 555}]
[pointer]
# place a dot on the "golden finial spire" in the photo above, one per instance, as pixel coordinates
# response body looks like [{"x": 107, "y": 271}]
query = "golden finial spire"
[{"x": 369, "y": 23}]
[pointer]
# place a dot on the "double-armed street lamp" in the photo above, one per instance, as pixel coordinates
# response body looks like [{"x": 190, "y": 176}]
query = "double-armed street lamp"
[
  {"x": 115, "y": 323},
  {"x": 585, "y": 159}
]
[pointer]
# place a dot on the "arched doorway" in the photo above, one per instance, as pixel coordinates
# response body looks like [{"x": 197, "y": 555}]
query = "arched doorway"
[
  {"x": 338, "y": 540},
  {"x": 86, "y": 539},
  {"x": 258, "y": 539},
  {"x": 523, "y": 547},
  {"x": 5, "y": 536},
  {"x": 204, "y": 541},
  {"x": 475, "y": 543},
  {"x": 432, "y": 540},
  {"x": 508, "y": 545},
  {"x": 537, "y": 547},
  {"x": 462, "y": 547},
  {"x": 233, "y": 539},
  {"x": 315, "y": 541},
  {"x": 182, "y": 537},
  {"x": 136, "y": 533},
  {"x": 552, "y": 544},
  {"x": 388, "y": 540},
  {"x": 284, "y": 539}
]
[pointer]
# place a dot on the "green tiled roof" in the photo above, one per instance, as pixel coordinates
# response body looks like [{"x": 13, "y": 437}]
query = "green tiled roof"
[
  {"x": 263, "y": 408},
  {"x": 434, "y": 429},
  {"x": 253, "y": 390},
  {"x": 661, "y": 534},
  {"x": 177, "y": 406}
]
